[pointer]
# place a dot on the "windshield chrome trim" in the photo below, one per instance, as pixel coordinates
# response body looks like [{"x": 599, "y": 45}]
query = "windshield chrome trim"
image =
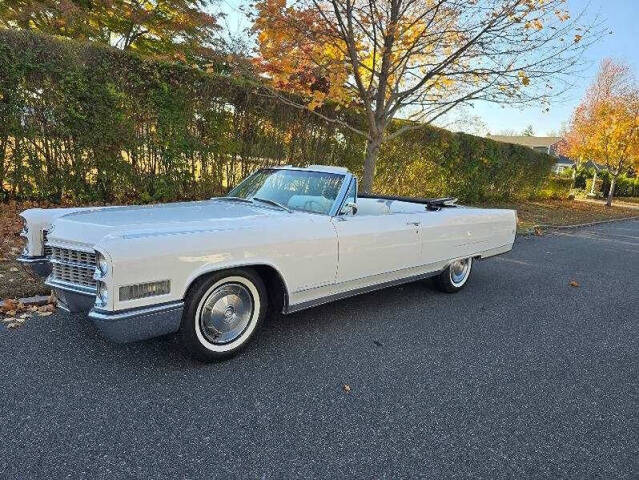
[
  {"x": 341, "y": 204},
  {"x": 341, "y": 196}
]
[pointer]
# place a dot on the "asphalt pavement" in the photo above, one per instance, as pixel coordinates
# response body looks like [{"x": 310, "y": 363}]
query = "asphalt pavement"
[{"x": 520, "y": 375}]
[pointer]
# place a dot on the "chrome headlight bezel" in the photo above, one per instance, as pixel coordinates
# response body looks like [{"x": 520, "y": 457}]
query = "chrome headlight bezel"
[
  {"x": 101, "y": 294},
  {"x": 102, "y": 266},
  {"x": 25, "y": 227},
  {"x": 24, "y": 233}
]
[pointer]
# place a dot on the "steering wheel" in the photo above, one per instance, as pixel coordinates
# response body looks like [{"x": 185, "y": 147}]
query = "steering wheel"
[{"x": 308, "y": 205}]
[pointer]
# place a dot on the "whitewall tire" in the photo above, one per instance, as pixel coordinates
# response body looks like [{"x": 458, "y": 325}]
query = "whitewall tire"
[
  {"x": 222, "y": 312},
  {"x": 455, "y": 276}
]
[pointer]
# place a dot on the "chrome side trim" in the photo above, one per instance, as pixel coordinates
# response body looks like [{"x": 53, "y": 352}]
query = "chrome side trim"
[
  {"x": 358, "y": 291},
  {"x": 496, "y": 251}
]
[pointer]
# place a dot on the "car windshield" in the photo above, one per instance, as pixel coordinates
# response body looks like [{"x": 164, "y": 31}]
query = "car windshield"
[{"x": 303, "y": 190}]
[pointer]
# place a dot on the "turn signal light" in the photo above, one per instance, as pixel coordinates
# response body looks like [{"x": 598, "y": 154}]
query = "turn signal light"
[{"x": 143, "y": 290}]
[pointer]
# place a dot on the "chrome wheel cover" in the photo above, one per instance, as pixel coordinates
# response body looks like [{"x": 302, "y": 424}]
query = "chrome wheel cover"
[
  {"x": 226, "y": 313},
  {"x": 459, "y": 271}
]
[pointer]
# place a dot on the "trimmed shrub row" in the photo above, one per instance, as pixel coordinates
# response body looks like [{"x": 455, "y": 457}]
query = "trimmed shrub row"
[{"x": 88, "y": 123}]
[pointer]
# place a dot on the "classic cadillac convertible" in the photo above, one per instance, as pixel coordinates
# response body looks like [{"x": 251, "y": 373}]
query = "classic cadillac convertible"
[{"x": 284, "y": 239}]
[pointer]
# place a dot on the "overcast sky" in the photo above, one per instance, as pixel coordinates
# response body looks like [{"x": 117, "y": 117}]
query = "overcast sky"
[{"x": 620, "y": 16}]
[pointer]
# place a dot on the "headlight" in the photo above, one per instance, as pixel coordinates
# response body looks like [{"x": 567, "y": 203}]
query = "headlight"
[
  {"x": 102, "y": 266},
  {"x": 25, "y": 227},
  {"x": 102, "y": 295}
]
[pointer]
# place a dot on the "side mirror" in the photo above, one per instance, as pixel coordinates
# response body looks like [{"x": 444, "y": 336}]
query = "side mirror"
[{"x": 349, "y": 208}]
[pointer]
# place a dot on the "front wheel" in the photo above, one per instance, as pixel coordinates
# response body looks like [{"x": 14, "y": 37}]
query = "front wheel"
[
  {"x": 455, "y": 276},
  {"x": 222, "y": 313}
]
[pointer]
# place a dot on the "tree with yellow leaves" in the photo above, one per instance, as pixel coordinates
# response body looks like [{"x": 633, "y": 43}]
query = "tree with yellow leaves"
[
  {"x": 605, "y": 126},
  {"x": 167, "y": 29},
  {"x": 416, "y": 58}
]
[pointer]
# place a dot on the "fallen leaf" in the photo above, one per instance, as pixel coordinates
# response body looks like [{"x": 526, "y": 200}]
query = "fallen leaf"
[
  {"x": 538, "y": 232},
  {"x": 9, "y": 304},
  {"x": 11, "y": 313},
  {"x": 45, "y": 314},
  {"x": 8, "y": 320},
  {"x": 14, "y": 269},
  {"x": 25, "y": 315},
  {"x": 12, "y": 326},
  {"x": 574, "y": 283},
  {"x": 347, "y": 388}
]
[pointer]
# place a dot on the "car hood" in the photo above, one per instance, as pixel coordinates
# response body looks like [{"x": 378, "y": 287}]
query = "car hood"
[{"x": 86, "y": 227}]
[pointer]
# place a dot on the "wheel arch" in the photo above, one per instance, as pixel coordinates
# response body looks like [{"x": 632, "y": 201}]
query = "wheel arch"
[{"x": 273, "y": 280}]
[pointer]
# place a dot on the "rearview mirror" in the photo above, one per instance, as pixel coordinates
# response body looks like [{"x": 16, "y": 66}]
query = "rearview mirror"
[{"x": 349, "y": 208}]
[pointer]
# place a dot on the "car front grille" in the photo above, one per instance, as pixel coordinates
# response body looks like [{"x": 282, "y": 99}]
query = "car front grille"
[{"x": 73, "y": 267}]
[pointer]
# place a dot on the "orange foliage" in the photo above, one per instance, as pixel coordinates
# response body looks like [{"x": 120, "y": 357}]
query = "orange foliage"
[{"x": 605, "y": 126}]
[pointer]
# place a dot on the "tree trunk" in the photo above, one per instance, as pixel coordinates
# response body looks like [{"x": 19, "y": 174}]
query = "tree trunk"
[
  {"x": 612, "y": 191},
  {"x": 373, "y": 145},
  {"x": 592, "y": 187}
]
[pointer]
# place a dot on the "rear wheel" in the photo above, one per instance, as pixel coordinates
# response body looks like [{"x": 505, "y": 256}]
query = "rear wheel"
[
  {"x": 455, "y": 276},
  {"x": 222, "y": 313}
]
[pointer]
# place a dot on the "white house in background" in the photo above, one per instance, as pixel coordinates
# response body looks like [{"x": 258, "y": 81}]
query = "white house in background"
[{"x": 547, "y": 145}]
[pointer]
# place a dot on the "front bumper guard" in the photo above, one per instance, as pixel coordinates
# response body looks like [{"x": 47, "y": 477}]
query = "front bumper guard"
[
  {"x": 124, "y": 325},
  {"x": 38, "y": 265},
  {"x": 138, "y": 323}
]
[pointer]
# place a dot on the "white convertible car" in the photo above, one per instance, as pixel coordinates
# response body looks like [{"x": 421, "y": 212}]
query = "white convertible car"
[{"x": 284, "y": 239}]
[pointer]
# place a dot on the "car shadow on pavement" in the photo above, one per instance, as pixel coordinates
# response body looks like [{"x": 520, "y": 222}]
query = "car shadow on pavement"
[
  {"x": 349, "y": 317},
  {"x": 167, "y": 351}
]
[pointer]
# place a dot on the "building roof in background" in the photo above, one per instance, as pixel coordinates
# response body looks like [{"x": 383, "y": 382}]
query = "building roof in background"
[
  {"x": 526, "y": 140},
  {"x": 597, "y": 166},
  {"x": 562, "y": 160}
]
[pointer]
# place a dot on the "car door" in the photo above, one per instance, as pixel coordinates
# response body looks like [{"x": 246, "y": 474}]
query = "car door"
[
  {"x": 444, "y": 234},
  {"x": 374, "y": 245}
]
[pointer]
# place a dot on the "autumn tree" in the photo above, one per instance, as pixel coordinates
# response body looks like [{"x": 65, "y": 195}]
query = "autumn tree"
[
  {"x": 171, "y": 29},
  {"x": 418, "y": 59},
  {"x": 605, "y": 126}
]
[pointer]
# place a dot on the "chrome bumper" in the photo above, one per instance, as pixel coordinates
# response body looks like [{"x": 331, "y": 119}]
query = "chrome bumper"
[
  {"x": 122, "y": 326},
  {"x": 72, "y": 298},
  {"x": 138, "y": 323},
  {"x": 38, "y": 265}
]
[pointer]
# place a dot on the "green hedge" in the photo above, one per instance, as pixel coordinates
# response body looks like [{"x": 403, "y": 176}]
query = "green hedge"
[
  {"x": 556, "y": 187},
  {"x": 84, "y": 122},
  {"x": 625, "y": 186}
]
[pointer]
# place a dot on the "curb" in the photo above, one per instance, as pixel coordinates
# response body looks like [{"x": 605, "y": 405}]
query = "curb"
[
  {"x": 578, "y": 225},
  {"x": 37, "y": 301}
]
